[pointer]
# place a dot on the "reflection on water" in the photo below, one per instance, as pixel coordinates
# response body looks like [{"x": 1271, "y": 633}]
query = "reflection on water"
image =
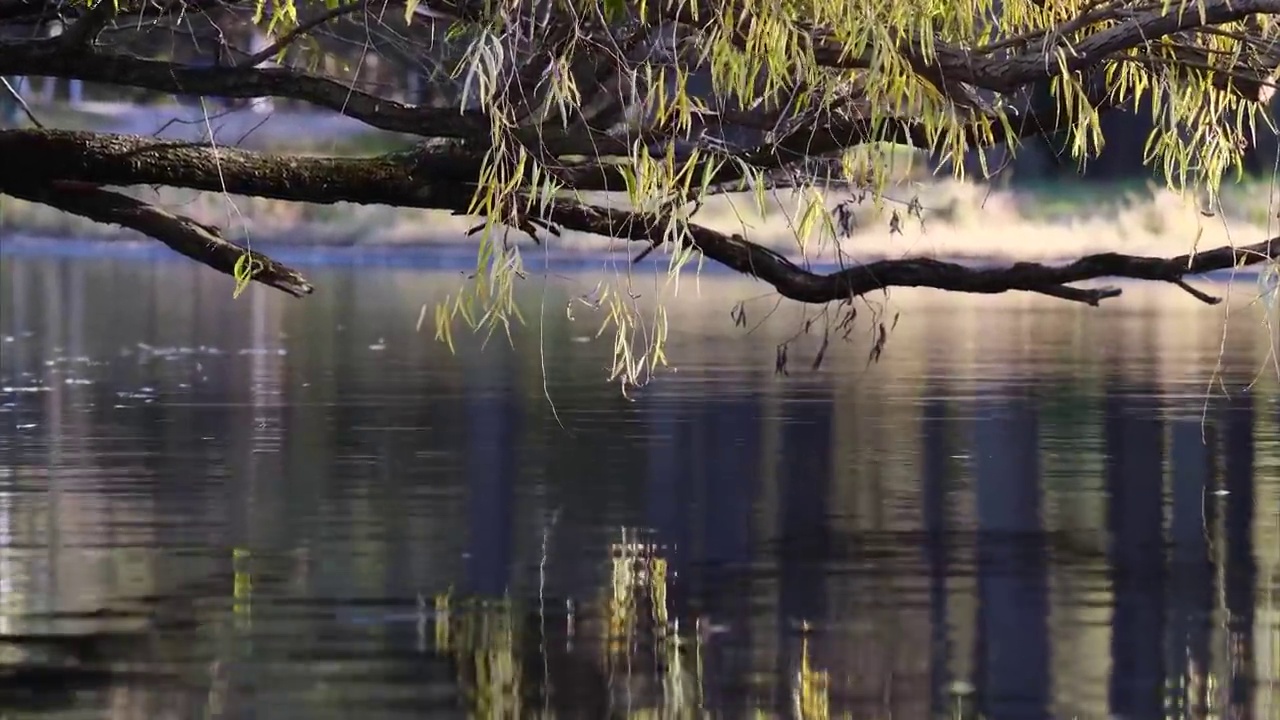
[{"x": 279, "y": 509}]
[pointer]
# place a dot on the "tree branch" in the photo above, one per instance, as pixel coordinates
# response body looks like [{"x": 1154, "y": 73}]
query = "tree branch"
[
  {"x": 48, "y": 58},
  {"x": 440, "y": 176},
  {"x": 16, "y": 96},
  {"x": 302, "y": 29},
  {"x": 796, "y": 283},
  {"x": 200, "y": 242},
  {"x": 950, "y": 68},
  {"x": 1141, "y": 29}
]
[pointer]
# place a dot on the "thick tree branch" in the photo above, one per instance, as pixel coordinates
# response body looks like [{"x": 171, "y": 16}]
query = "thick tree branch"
[
  {"x": 1138, "y": 30},
  {"x": 435, "y": 175},
  {"x": 200, "y": 242},
  {"x": 797, "y": 283},
  {"x": 440, "y": 177}
]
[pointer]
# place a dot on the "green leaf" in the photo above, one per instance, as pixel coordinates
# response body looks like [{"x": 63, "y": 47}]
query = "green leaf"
[{"x": 246, "y": 268}]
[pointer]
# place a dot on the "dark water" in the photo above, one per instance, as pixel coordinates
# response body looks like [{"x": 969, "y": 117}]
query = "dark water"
[{"x": 271, "y": 508}]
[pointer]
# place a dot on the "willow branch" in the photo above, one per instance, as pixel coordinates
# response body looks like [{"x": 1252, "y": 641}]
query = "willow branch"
[
  {"x": 796, "y": 283},
  {"x": 200, "y": 242}
]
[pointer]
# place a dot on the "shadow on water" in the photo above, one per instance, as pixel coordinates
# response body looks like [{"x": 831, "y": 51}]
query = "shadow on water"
[{"x": 275, "y": 510}]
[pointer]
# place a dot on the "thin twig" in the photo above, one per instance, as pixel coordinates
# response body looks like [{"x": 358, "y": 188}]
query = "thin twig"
[
  {"x": 1197, "y": 294},
  {"x": 17, "y": 97},
  {"x": 288, "y": 38}
]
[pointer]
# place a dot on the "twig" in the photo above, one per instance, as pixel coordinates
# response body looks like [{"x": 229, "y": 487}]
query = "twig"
[
  {"x": 17, "y": 97},
  {"x": 302, "y": 29},
  {"x": 1197, "y": 294},
  {"x": 1080, "y": 295}
]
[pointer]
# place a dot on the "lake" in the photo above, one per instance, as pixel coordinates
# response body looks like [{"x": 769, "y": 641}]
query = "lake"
[{"x": 276, "y": 508}]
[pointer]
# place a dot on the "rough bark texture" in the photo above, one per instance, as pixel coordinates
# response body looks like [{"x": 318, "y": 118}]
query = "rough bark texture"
[{"x": 416, "y": 178}]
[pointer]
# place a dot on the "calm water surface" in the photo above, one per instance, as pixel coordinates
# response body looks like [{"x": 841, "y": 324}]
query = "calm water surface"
[{"x": 270, "y": 508}]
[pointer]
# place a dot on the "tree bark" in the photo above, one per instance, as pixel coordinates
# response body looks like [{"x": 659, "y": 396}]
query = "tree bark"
[{"x": 441, "y": 178}]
